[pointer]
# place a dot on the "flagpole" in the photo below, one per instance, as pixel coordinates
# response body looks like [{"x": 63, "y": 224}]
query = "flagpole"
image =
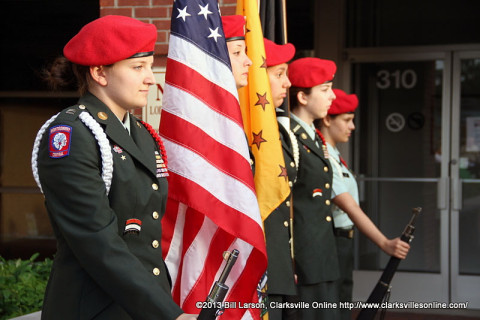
[
  {"x": 284, "y": 24},
  {"x": 287, "y": 103}
]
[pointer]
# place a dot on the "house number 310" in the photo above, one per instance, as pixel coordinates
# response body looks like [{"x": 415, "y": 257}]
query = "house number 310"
[{"x": 406, "y": 79}]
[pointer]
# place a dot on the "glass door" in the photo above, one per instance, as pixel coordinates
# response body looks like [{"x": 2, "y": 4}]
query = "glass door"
[
  {"x": 417, "y": 144},
  {"x": 401, "y": 150},
  {"x": 465, "y": 177}
]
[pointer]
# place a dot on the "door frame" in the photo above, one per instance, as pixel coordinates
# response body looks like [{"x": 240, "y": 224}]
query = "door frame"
[
  {"x": 463, "y": 287},
  {"x": 444, "y": 286}
]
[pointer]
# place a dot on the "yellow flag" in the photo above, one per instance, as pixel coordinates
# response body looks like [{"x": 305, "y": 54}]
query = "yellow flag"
[{"x": 259, "y": 118}]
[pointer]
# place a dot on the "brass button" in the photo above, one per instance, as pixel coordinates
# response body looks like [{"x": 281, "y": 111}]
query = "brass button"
[
  {"x": 325, "y": 169},
  {"x": 155, "y": 244},
  {"x": 292, "y": 164},
  {"x": 327, "y": 185},
  {"x": 328, "y": 218},
  {"x": 303, "y": 135},
  {"x": 327, "y": 202},
  {"x": 350, "y": 234},
  {"x": 251, "y": 162},
  {"x": 155, "y": 215},
  {"x": 156, "y": 271},
  {"x": 308, "y": 150},
  {"x": 290, "y": 183},
  {"x": 287, "y": 203},
  {"x": 285, "y": 223},
  {"x": 154, "y": 186},
  {"x": 102, "y": 115}
]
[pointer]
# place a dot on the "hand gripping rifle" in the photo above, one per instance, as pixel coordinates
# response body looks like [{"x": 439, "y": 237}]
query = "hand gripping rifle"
[
  {"x": 213, "y": 306},
  {"x": 381, "y": 291}
]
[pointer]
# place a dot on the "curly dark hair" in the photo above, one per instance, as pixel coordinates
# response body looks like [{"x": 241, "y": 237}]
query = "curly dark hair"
[{"x": 63, "y": 74}]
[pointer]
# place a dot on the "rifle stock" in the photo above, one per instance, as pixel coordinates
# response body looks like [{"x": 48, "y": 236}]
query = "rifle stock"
[
  {"x": 383, "y": 286},
  {"x": 213, "y": 305}
]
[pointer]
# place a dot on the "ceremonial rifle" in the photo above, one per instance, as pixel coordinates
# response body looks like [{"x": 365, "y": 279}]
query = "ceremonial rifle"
[
  {"x": 213, "y": 305},
  {"x": 382, "y": 289}
]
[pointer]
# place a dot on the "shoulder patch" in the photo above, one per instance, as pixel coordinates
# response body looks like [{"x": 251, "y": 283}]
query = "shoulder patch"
[{"x": 59, "y": 141}]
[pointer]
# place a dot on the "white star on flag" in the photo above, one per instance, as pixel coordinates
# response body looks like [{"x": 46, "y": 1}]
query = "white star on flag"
[
  {"x": 183, "y": 13},
  {"x": 204, "y": 11},
  {"x": 214, "y": 34}
]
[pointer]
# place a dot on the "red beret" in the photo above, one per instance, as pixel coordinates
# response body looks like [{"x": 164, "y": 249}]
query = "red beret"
[
  {"x": 278, "y": 53},
  {"x": 309, "y": 72},
  {"x": 110, "y": 39},
  {"x": 344, "y": 103},
  {"x": 233, "y": 27}
]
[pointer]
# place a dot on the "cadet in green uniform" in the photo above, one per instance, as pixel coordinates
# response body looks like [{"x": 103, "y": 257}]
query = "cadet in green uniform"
[
  {"x": 102, "y": 173},
  {"x": 280, "y": 274},
  {"x": 316, "y": 262},
  {"x": 337, "y": 127}
]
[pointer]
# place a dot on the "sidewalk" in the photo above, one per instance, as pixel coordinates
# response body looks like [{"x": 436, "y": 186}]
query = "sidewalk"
[{"x": 30, "y": 316}]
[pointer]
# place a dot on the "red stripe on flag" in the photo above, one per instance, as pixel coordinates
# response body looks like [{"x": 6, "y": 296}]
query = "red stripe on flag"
[
  {"x": 195, "y": 139},
  {"x": 213, "y": 263},
  {"x": 231, "y": 220},
  {"x": 244, "y": 282},
  {"x": 193, "y": 223},
  {"x": 197, "y": 85},
  {"x": 168, "y": 225}
]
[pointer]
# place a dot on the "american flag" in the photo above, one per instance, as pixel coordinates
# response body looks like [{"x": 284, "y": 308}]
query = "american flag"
[{"x": 212, "y": 205}]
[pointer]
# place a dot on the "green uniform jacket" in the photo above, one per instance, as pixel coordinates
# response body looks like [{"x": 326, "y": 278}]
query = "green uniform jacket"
[
  {"x": 315, "y": 252},
  {"x": 99, "y": 271},
  {"x": 280, "y": 274}
]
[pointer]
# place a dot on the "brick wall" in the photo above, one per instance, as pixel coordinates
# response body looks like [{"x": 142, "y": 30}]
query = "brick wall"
[{"x": 158, "y": 12}]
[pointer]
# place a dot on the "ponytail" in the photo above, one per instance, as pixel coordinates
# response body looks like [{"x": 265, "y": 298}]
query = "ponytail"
[{"x": 63, "y": 74}]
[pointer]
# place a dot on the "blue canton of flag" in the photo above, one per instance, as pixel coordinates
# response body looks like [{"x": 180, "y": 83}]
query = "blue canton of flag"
[{"x": 200, "y": 27}]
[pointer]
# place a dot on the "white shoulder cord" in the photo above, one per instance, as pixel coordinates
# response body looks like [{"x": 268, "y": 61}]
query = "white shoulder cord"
[
  {"x": 105, "y": 151},
  {"x": 36, "y": 145},
  {"x": 296, "y": 152},
  {"x": 294, "y": 141}
]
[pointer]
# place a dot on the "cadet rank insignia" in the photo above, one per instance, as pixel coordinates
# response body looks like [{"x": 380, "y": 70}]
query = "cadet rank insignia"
[
  {"x": 133, "y": 226},
  {"x": 162, "y": 170},
  {"x": 59, "y": 141},
  {"x": 317, "y": 193}
]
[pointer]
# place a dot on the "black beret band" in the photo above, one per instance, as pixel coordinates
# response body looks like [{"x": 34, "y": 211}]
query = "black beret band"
[
  {"x": 142, "y": 54},
  {"x": 234, "y": 38}
]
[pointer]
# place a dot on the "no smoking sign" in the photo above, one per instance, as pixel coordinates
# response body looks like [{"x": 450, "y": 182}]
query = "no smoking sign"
[{"x": 395, "y": 122}]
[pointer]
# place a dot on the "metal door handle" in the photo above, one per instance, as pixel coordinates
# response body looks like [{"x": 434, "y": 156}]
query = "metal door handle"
[
  {"x": 457, "y": 196},
  {"x": 442, "y": 193}
]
